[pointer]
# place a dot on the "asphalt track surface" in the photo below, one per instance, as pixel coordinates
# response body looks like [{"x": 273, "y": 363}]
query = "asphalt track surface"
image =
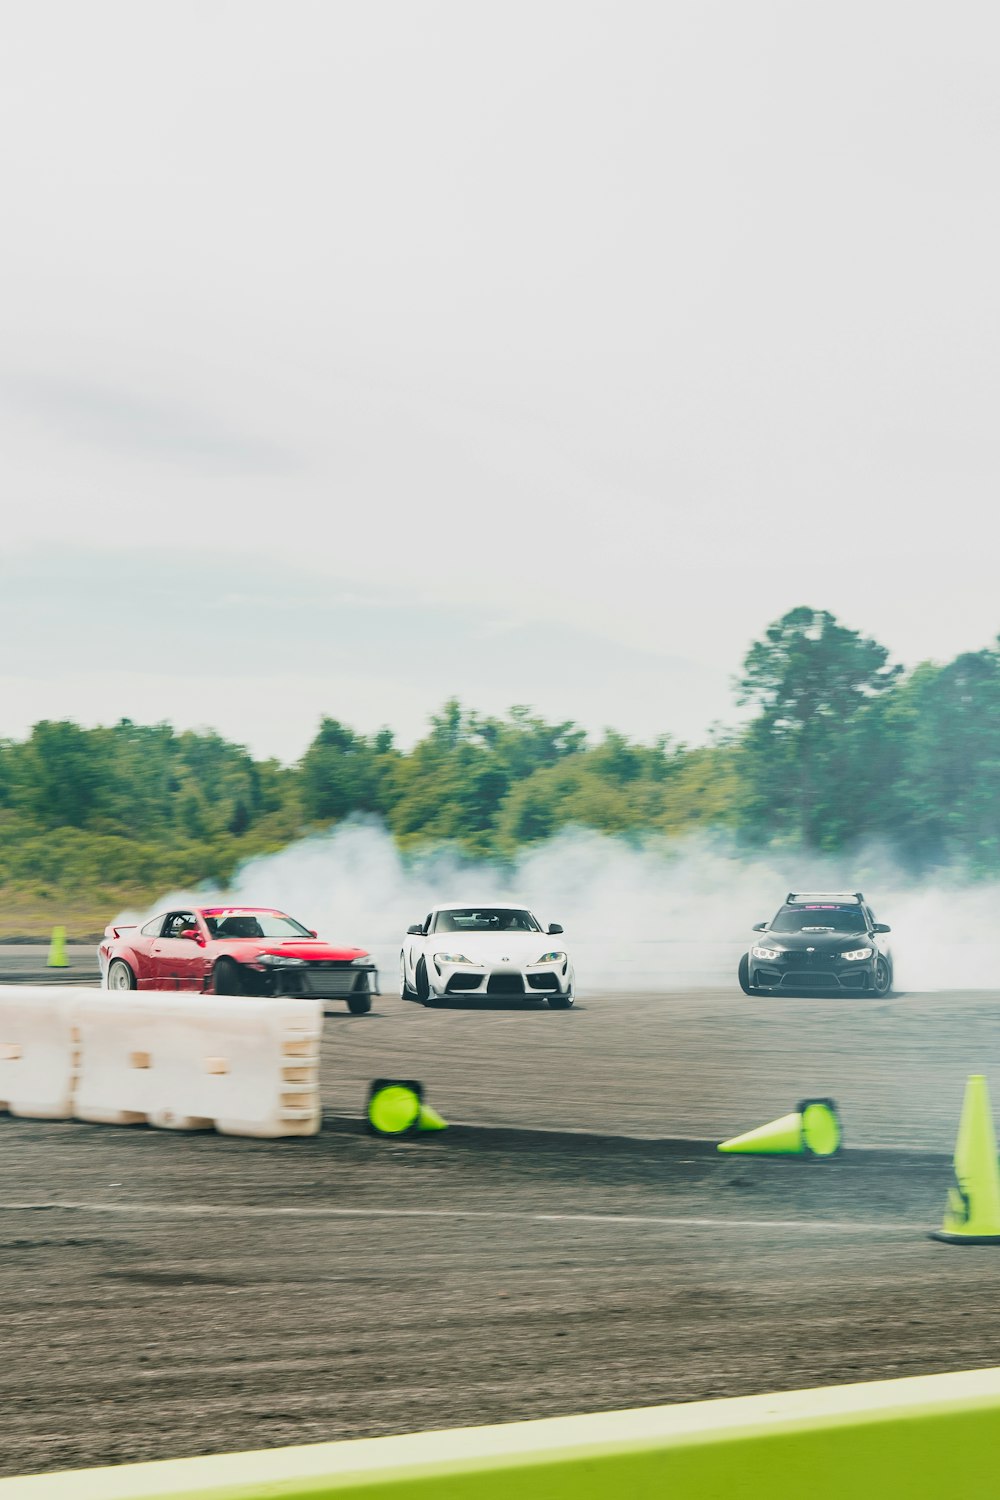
[{"x": 564, "y": 1250}]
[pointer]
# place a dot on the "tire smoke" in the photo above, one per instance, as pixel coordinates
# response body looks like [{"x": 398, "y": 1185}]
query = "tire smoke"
[{"x": 661, "y": 914}]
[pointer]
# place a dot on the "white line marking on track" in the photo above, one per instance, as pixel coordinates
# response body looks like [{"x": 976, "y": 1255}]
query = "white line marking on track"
[{"x": 263, "y": 1211}]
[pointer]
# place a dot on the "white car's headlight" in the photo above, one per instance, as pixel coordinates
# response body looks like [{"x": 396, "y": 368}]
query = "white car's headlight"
[
  {"x": 452, "y": 958},
  {"x": 857, "y": 954},
  {"x": 550, "y": 958},
  {"x": 364, "y": 960},
  {"x": 759, "y": 952},
  {"x": 280, "y": 961}
]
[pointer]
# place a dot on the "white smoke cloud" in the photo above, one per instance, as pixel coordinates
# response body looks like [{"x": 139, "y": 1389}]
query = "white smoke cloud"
[{"x": 657, "y": 915}]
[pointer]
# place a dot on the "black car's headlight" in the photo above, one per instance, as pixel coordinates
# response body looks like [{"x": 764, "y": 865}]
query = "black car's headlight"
[
  {"x": 280, "y": 961},
  {"x": 771, "y": 953},
  {"x": 857, "y": 955}
]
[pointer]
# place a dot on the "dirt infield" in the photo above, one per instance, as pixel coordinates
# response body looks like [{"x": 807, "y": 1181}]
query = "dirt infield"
[{"x": 176, "y": 1294}]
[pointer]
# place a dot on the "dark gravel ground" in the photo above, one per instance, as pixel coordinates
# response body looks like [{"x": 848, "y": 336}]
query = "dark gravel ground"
[
  {"x": 168, "y": 1295},
  {"x": 174, "y": 1294},
  {"x": 706, "y": 1063},
  {"x": 27, "y": 963}
]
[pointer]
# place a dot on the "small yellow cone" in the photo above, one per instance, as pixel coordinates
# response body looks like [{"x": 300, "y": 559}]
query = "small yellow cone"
[
  {"x": 972, "y": 1216},
  {"x": 813, "y": 1130},
  {"x": 430, "y": 1119},
  {"x": 57, "y": 949}
]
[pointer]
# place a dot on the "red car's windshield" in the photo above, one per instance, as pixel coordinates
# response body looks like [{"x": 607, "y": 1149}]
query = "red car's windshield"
[{"x": 254, "y": 924}]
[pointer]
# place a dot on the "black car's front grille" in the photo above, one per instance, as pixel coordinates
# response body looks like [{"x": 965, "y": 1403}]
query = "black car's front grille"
[{"x": 823, "y": 978}]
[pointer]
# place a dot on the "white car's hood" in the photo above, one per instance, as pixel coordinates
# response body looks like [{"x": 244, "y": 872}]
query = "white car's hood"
[{"x": 489, "y": 948}]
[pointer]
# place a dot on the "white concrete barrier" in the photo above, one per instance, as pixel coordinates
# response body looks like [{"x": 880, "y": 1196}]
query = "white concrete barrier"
[
  {"x": 37, "y": 1051},
  {"x": 191, "y": 1062}
]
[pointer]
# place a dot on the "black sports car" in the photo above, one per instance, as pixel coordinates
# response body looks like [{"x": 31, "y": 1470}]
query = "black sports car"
[{"x": 828, "y": 943}]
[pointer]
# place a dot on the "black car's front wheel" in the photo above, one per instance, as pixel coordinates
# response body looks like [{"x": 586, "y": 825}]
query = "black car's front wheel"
[
  {"x": 882, "y": 979},
  {"x": 744, "y": 976}
]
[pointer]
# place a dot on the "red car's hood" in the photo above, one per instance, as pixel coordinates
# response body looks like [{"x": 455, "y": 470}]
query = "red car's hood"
[{"x": 309, "y": 948}]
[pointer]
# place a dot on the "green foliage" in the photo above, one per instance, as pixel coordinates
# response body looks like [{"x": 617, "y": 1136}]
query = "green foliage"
[
  {"x": 842, "y": 747},
  {"x": 342, "y": 772},
  {"x": 818, "y": 688},
  {"x": 947, "y": 800}
]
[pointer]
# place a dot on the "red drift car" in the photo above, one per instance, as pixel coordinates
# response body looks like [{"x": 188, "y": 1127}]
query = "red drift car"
[{"x": 235, "y": 950}]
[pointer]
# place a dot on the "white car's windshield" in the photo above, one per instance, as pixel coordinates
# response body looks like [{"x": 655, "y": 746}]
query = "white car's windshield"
[
  {"x": 254, "y": 924},
  {"x": 485, "y": 919}
]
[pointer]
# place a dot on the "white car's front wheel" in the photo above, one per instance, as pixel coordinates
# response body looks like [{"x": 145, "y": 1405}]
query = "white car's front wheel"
[
  {"x": 562, "y": 1002},
  {"x": 423, "y": 986}
]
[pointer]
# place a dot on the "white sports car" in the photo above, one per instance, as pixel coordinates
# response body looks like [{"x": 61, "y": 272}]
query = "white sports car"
[{"x": 496, "y": 949}]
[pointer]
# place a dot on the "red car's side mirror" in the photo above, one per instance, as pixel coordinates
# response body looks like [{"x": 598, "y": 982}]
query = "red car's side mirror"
[
  {"x": 313, "y": 934},
  {"x": 194, "y": 935}
]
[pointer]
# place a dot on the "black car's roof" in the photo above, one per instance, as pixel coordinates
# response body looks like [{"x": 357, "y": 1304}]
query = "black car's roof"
[{"x": 824, "y": 898}]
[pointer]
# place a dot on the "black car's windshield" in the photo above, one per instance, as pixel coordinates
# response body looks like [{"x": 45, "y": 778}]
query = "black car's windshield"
[
  {"x": 819, "y": 919},
  {"x": 485, "y": 919},
  {"x": 254, "y": 924}
]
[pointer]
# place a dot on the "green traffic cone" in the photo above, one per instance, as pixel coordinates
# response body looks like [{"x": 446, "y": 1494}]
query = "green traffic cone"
[
  {"x": 57, "y": 949},
  {"x": 813, "y": 1130},
  {"x": 430, "y": 1119},
  {"x": 972, "y": 1216},
  {"x": 394, "y": 1106}
]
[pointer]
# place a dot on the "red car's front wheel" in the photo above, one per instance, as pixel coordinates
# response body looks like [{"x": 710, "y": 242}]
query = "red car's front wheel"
[{"x": 226, "y": 978}]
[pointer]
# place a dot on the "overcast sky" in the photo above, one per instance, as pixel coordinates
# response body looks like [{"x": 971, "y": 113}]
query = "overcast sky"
[{"x": 609, "y": 330}]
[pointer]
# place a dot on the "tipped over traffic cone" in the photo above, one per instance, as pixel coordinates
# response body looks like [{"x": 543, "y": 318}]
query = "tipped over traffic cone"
[
  {"x": 430, "y": 1119},
  {"x": 813, "y": 1130},
  {"x": 972, "y": 1216},
  {"x": 394, "y": 1106},
  {"x": 57, "y": 949}
]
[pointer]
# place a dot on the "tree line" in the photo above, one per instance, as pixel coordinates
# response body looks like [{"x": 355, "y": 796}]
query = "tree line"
[{"x": 840, "y": 746}]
